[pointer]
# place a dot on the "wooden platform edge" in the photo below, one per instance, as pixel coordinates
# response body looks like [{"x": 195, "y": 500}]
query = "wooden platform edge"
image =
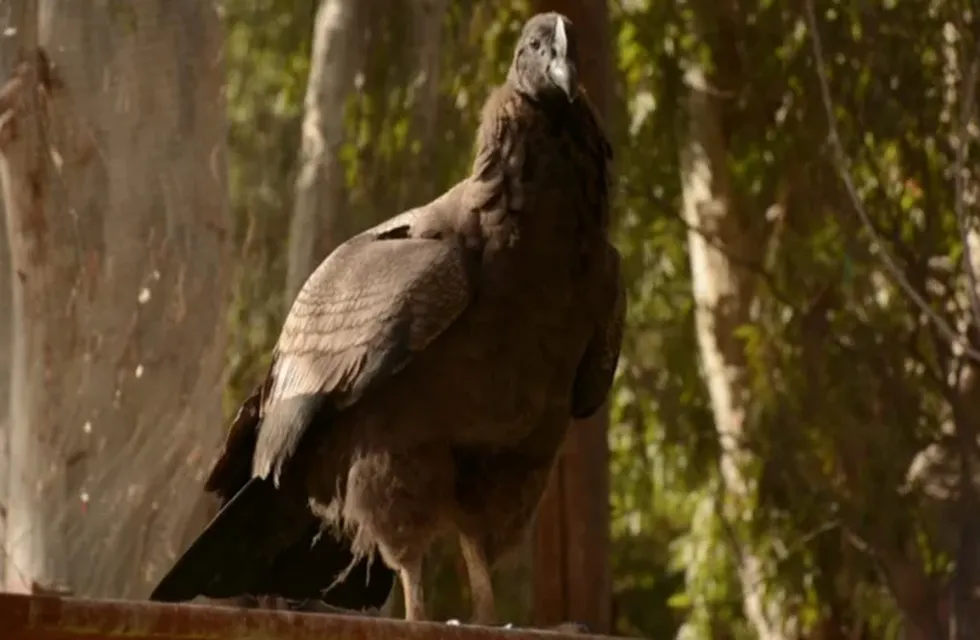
[{"x": 31, "y": 617}]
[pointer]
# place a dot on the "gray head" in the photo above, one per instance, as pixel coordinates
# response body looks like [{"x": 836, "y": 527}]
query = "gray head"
[{"x": 546, "y": 59}]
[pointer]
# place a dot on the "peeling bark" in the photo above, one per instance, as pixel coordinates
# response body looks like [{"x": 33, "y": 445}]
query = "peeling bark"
[
  {"x": 33, "y": 543},
  {"x": 115, "y": 190},
  {"x": 317, "y": 224}
]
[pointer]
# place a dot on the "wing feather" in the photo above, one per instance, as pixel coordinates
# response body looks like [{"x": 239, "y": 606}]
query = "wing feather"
[{"x": 358, "y": 320}]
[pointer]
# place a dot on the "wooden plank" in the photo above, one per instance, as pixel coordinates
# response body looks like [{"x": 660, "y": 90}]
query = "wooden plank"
[{"x": 54, "y": 618}]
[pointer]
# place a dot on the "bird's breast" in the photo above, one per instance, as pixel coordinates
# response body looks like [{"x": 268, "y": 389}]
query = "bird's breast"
[
  {"x": 524, "y": 342},
  {"x": 566, "y": 165}
]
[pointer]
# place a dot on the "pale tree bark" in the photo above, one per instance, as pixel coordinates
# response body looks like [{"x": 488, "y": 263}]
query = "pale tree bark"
[
  {"x": 317, "y": 224},
  {"x": 114, "y": 184},
  {"x": 960, "y": 80},
  {"x": 964, "y": 602},
  {"x": 572, "y": 574},
  {"x": 720, "y": 243},
  {"x": 6, "y": 318},
  {"x": 5, "y": 346},
  {"x": 722, "y": 293},
  {"x": 427, "y": 39},
  {"x": 33, "y": 544}
]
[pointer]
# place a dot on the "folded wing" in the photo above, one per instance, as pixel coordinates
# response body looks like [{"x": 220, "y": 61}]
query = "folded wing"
[{"x": 378, "y": 300}]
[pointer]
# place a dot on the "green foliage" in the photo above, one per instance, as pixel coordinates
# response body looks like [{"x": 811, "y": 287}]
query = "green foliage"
[
  {"x": 848, "y": 383},
  {"x": 267, "y": 61}
]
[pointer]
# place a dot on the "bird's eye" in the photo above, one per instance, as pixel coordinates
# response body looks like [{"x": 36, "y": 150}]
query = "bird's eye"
[{"x": 535, "y": 44}]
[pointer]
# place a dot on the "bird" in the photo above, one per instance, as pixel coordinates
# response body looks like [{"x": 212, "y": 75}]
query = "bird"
[{"x": 428, "y": 370}]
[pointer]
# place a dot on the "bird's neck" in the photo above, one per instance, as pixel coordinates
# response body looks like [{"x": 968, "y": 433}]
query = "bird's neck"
[{"x": 554, "y": 106}]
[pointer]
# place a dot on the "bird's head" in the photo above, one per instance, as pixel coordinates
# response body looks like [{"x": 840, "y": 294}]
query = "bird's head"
[{"x": 545, "y": 62}]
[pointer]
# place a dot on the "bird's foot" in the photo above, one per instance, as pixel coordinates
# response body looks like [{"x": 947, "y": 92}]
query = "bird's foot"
[
  {"x": 576, "y": 628},
  {"x": 312, "y": 605}
]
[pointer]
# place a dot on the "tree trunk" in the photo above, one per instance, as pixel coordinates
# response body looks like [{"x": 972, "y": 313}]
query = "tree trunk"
[
  {"x": 114, "y": 184},
  {"x": 5, "y": 346},
  {"x": 427, "y": 36},
  {"x": 321, "y": 194},
  {"x": 572, "y": 574},
  {"x": 964, "y": 618},
  {"x": 722, "y": 293},
  {"x": 960, "y": 98},
  {"x": 34, "y": 553},
  {"x": 6, "y": 318}
]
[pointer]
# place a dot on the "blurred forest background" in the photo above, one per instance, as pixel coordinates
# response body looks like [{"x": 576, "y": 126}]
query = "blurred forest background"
[{"x": 791, "y": 448}]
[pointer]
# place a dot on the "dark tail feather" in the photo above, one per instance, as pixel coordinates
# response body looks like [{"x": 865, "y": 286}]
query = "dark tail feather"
[
  {"x": 238, "y": 547},
  {"x": 308, "y": 570}
]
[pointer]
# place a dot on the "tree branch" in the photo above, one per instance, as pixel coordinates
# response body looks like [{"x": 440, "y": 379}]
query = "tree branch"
[{"x": 841, "y": 164}]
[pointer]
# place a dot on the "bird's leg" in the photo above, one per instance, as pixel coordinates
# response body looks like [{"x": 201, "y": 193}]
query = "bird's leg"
[
  {"x": 481, "y": 587},
  {"x": 410, "y": 574}
]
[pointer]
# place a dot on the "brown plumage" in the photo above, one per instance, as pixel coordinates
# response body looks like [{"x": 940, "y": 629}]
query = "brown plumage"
[{"x": 427, "y": 371}]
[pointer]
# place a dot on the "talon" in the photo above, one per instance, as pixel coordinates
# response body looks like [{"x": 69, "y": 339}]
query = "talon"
[{"x": 453, "y": 622}]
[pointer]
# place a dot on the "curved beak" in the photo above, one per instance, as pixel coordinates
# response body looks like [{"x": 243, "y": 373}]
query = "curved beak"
[
  {"x": 561, "y": 70},
  {"x": 565, "y": 77}
]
